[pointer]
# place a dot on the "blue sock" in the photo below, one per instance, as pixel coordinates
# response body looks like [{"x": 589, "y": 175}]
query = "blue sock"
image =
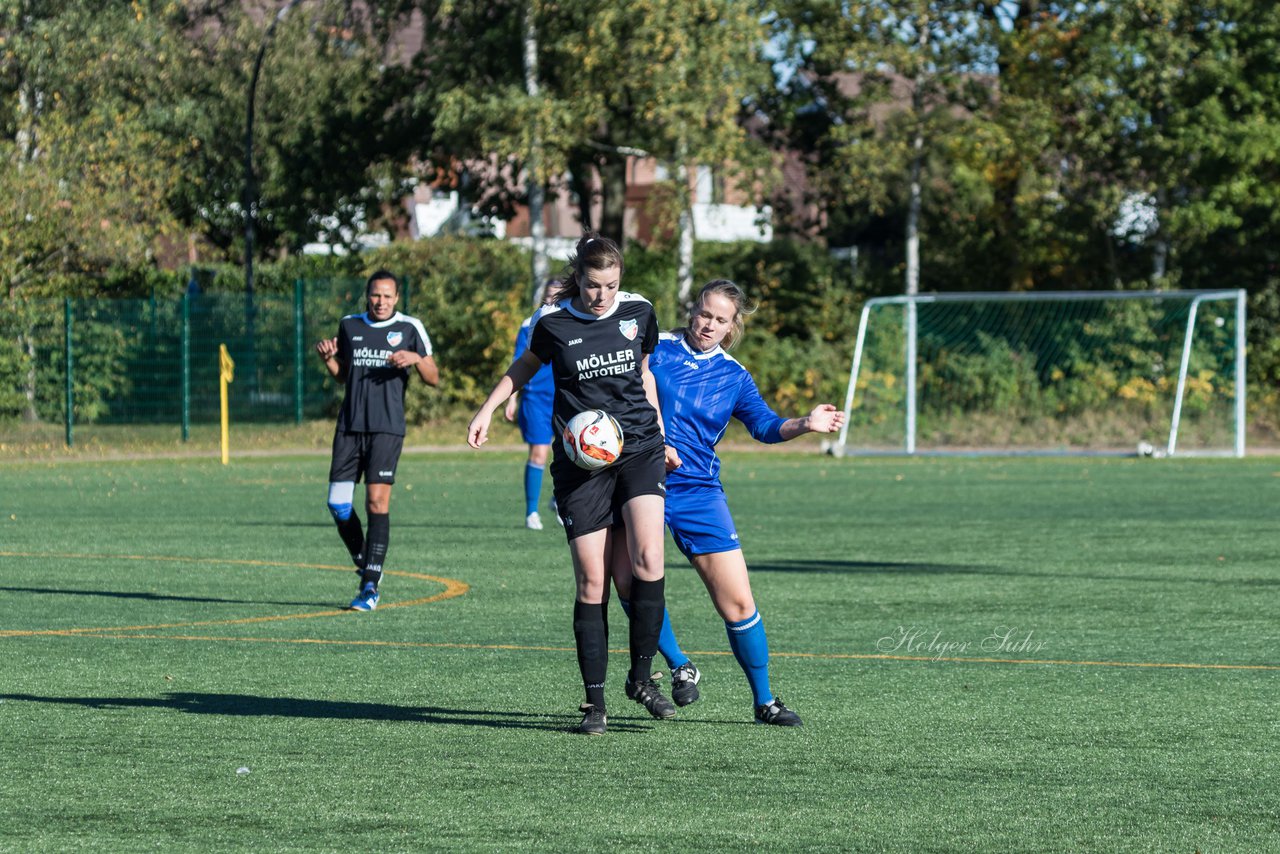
[
  {"x": 532, "y": 487},
  {"x": 667, "y": 644},
  {"x": 751, "y": 648}
]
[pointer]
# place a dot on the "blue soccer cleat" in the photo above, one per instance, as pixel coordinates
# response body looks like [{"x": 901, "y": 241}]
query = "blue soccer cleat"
[{"x": 367, "y": 599}]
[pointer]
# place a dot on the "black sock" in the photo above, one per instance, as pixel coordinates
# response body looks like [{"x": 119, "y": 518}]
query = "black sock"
[
  {"x": 647, "y": 605},
  {"x": 591, "y": 635},
  {"x": 352, "y": 533},
  {"x": 375, "y": 544}
]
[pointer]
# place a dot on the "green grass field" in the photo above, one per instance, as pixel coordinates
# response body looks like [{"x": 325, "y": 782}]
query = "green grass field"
[{"x": 177, "y": 674}]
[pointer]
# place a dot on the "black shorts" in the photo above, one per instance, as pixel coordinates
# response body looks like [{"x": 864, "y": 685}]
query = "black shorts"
[
  {"x": 375, "y": 455},
  {"x": 589, "y": 501}
]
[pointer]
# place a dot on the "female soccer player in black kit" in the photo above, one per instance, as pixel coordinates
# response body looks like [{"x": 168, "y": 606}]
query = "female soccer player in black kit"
[
  {"x": 372, "y": 355},
  {"x": 597, "y": 339}
]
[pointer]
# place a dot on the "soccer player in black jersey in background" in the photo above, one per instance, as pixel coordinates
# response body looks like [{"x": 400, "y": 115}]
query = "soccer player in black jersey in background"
[
  {"x": 372, "y": 354},
  {"x": 597, "y": 340}
]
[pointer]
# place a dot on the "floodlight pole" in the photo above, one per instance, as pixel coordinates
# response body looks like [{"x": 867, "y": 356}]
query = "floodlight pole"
[
  {"x": 537, "y": 195},
  {"x": 249, "y": 202}
]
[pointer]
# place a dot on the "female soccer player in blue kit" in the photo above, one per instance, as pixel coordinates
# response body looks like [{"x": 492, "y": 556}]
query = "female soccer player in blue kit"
[
  {"x": 534, "y": 405},
  {"x": 700, "y": 387}
]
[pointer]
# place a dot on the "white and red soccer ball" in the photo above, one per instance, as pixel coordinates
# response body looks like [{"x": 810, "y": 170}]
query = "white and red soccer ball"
[{"x": 593, "y": 439}]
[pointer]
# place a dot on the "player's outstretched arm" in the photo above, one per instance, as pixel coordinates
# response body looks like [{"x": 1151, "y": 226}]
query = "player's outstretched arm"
[
  {"x": 520, "y": 372},
  {"x": 824, "y": 418}
]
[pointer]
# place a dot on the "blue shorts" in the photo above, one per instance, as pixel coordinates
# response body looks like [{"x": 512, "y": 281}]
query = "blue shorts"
[
  {"x": 534, "y": 418},
  {"x": 700, "y": 521}
]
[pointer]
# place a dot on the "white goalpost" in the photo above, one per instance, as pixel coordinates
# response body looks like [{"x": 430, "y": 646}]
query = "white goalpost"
[{"x": 1049, "y": 373}]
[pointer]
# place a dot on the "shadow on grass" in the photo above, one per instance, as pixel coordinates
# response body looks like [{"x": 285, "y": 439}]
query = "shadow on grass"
[
  {"x": 877, "y": 566},
  {"x": 286, "y": 523},
  {"x": 249, "y": 705},
  {"x": 871, "y": 567},
  {"x": 158, "y": 597}
]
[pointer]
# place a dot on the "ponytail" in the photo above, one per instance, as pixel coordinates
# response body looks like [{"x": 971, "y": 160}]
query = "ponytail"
[{"x": 593, "y": 252}]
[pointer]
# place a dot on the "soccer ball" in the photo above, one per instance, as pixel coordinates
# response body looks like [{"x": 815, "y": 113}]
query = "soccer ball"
[{"x": 593, "y": 439}]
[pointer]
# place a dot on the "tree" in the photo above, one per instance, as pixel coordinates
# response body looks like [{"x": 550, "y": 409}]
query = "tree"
[
  {"x": 87, "y": 163},
  {"x": 890, "y": 102},
  {"x": 615, "y": 81},
  {"x": 332, "y": 147}
]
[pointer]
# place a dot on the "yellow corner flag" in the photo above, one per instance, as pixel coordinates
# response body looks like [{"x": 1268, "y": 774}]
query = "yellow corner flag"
[
  {"x": 226, "y": 374},
  {"x": 226, "y": 365}
]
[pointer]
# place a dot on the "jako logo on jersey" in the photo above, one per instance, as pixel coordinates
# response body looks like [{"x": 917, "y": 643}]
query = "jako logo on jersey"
[
  {"x": 628, "y": 328},
  {"x": 574, "y": 341},
  {"x": 386, "y": 473},
  {"x": 357, "y": 337},
  {"x": 691, "y": 364},
  {"x": 394, "y": 338}
]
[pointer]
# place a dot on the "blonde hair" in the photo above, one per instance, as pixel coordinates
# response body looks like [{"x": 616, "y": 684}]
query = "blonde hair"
[{"x": 731, "y": 291}]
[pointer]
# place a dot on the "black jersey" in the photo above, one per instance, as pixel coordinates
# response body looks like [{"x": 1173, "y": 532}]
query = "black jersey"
[
  {"x": 374, "y": 401},
  {"x": 596, "y": 364}
]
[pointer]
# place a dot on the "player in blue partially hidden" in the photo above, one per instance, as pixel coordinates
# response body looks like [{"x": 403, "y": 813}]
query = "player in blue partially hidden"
[
  {"x": 700, "y": 387},
  {"x": 534, "y": 403}
]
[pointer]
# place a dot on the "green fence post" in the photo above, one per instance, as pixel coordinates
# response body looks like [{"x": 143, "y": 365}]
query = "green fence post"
[
  {"x": 70, "y": 365},
  {"x": 299, "y": 294},
  {"x": 186, "y": 367}
]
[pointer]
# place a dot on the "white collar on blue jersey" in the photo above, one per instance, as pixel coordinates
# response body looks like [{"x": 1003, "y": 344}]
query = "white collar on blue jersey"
[{"x": 697, "y": 354}]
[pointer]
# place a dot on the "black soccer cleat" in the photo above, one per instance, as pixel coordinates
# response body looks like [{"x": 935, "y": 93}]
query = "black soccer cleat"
[
  {"x": 594, "y": 721},
  {"x": 648, "y": 694},
  {"x": 684, "y": 683},
  {"x": 773, "y": 712}
]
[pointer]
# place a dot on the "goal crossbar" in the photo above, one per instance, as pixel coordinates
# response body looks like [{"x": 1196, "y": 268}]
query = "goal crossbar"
[{"x": 910, "y": 303}]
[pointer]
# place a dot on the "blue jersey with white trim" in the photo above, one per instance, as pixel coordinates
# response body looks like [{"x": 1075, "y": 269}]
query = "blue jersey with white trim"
[
  {"x": 699, "y": 392},
  {"x": 543, "y": 384}
]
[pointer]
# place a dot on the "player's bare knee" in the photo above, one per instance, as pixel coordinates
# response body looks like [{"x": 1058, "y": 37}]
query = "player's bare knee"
[
  {"x": 736, "y": 610},
  {"x": 591, "y": 590},
  {"x": 377, "y": 497},
  {"x": 647, "y": 563}
]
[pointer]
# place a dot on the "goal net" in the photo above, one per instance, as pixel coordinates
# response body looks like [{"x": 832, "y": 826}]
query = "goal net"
[{"x": 1069, "y": 372}]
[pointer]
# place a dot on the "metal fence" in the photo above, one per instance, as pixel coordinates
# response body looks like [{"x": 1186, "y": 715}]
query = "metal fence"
[{"x": 155, "y": 361}]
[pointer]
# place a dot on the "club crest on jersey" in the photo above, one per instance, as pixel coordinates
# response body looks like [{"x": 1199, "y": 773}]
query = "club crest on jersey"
[
  {"x": 394, "y": 338},
  {"x": 628, "y": 328}
]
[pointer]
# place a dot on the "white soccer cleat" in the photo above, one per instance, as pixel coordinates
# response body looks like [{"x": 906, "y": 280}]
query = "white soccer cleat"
[{"x": 533, "y": 521}]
